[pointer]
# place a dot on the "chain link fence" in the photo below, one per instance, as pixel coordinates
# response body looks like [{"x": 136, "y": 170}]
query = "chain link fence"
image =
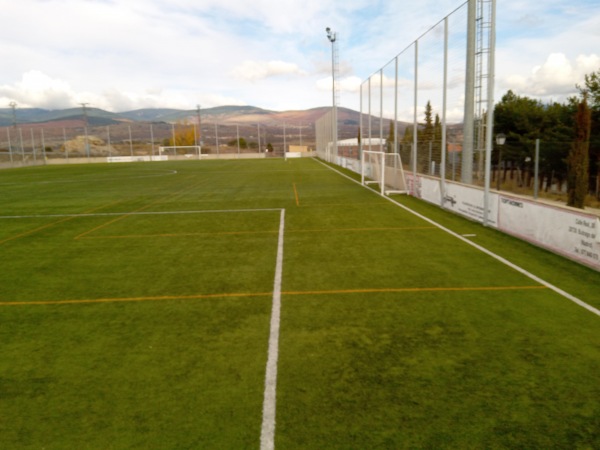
[{"x": 32, "y": 143}]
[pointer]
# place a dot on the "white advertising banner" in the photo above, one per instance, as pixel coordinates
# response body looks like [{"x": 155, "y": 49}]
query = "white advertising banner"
[
  {"x": 429, "y": 190},
  {"x": 460, "y": 199},
  {"x": 116, "y": 159},
  {"x": 573, "y": 234},
  {"x": 570, "y": 233},
  {"x": 350, "y": 164}
]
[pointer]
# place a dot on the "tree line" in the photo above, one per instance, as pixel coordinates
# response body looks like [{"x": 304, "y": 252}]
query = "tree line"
[{"x": 569, "y": 135}]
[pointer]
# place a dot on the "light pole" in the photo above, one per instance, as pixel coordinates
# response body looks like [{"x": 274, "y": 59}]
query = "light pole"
[
  {"x": 199, "y": 135},
  {"x": 13, "y": 105},
  {"x": 332, "y": 36},
  {"x": 500, "y": 140},
  {"x": 85, "y": 128}
]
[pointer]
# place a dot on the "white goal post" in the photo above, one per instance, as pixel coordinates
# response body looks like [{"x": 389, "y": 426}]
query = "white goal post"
[
  {"x": 189, "y": 149},
  {"x": 384, "y": 169}
]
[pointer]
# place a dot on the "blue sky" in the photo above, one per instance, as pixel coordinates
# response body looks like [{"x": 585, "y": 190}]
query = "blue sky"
[{"x": 128, "y": 54}]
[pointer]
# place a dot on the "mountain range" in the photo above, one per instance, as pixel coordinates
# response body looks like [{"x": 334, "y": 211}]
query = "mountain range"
[{"x": 220, "y": 114}]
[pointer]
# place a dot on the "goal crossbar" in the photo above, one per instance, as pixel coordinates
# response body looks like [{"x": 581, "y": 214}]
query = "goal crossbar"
[{"x": 384, "y": 169}]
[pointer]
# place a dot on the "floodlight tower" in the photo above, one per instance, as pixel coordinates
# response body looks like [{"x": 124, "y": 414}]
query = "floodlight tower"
[{"x": 332, "y": 36}]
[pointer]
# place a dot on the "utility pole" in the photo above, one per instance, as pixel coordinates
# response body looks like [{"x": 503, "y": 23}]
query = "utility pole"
[
  {"x": 85, "y": 127},
  {"x": 258, "y": 129},
  {"x": 199, "y": 136},
  {"x": 13, "y": 105}
]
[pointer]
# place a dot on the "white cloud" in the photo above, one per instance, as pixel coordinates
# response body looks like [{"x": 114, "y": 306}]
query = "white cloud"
[
  {"x": 260, "y": 70},
  {"x": 346, "y": 84},
  {"x": 150, "y": 53},
  {"x": 556, "y": 78},
  {"x": 36, "y": 89},
  {"x": 350, "y": 84}
]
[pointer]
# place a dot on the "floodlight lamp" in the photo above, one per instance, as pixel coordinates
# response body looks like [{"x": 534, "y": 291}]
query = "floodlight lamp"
[{"x": 330, "y": 35}]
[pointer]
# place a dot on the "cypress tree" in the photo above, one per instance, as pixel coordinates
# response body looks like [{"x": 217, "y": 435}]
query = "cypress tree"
[{"x": 578, "y": 159}]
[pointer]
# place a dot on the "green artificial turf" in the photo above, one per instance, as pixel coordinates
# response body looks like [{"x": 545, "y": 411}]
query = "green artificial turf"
[{"x": 135, "y": 303}]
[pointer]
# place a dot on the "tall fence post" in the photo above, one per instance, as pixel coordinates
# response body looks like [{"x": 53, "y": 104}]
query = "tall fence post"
[
  {"x": 415, "y": 119},
  {"x": 43, "y": 145},
  {"x": 130, "y": 141},
  {"x": 536, "y": 170},
  {"x": 370, "y": 116},
  {"x": 444, "y": 108},
  {"x": 152, "y": 138},
  {"x": 468, "y": 139},
  {"x": 9, "y": 145},
  {"x": 490, "y": 114},
  {"x": 32, "y": 144},
  {"x": 65, "y": 144},
  {"x": 381, "y": 110},
  {"x": 360, "y": 127},
  {"x": 396, "y": 149}
]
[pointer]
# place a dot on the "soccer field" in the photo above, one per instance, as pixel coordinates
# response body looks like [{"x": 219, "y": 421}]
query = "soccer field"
[{"x": 147, "y": 305}]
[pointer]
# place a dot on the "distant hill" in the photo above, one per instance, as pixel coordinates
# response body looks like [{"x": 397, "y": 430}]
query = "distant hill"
[
  {"x": 96, "y": 116},
  {"x": 271, "y": 122},
  {"x": 173, "y": 115},
  {"x": 219, "y": 126},
  {"x": 25, "y": 115},
  {"x": 153, "y": 114},
  {"x": 230, "y": 114}
]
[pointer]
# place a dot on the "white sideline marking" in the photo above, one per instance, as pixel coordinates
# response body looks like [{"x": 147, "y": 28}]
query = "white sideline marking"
[
  {"x": 556, "y": 289},
  {"x": 267, "y": 434},
  {"x": 139, "y": 213}
]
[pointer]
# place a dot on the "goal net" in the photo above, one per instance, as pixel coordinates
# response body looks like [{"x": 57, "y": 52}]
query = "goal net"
[
  {"x": 385, "y": 170},
  {"x": 181, "y": 150}
]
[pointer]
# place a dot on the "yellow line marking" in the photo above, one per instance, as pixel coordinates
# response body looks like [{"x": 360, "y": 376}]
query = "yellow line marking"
[
  {"x": 26, "y": 233},
  {"x": 296, "y": 195},
  {"x": 268, "y": 294},
  {"x": 137, "y": 299}
]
